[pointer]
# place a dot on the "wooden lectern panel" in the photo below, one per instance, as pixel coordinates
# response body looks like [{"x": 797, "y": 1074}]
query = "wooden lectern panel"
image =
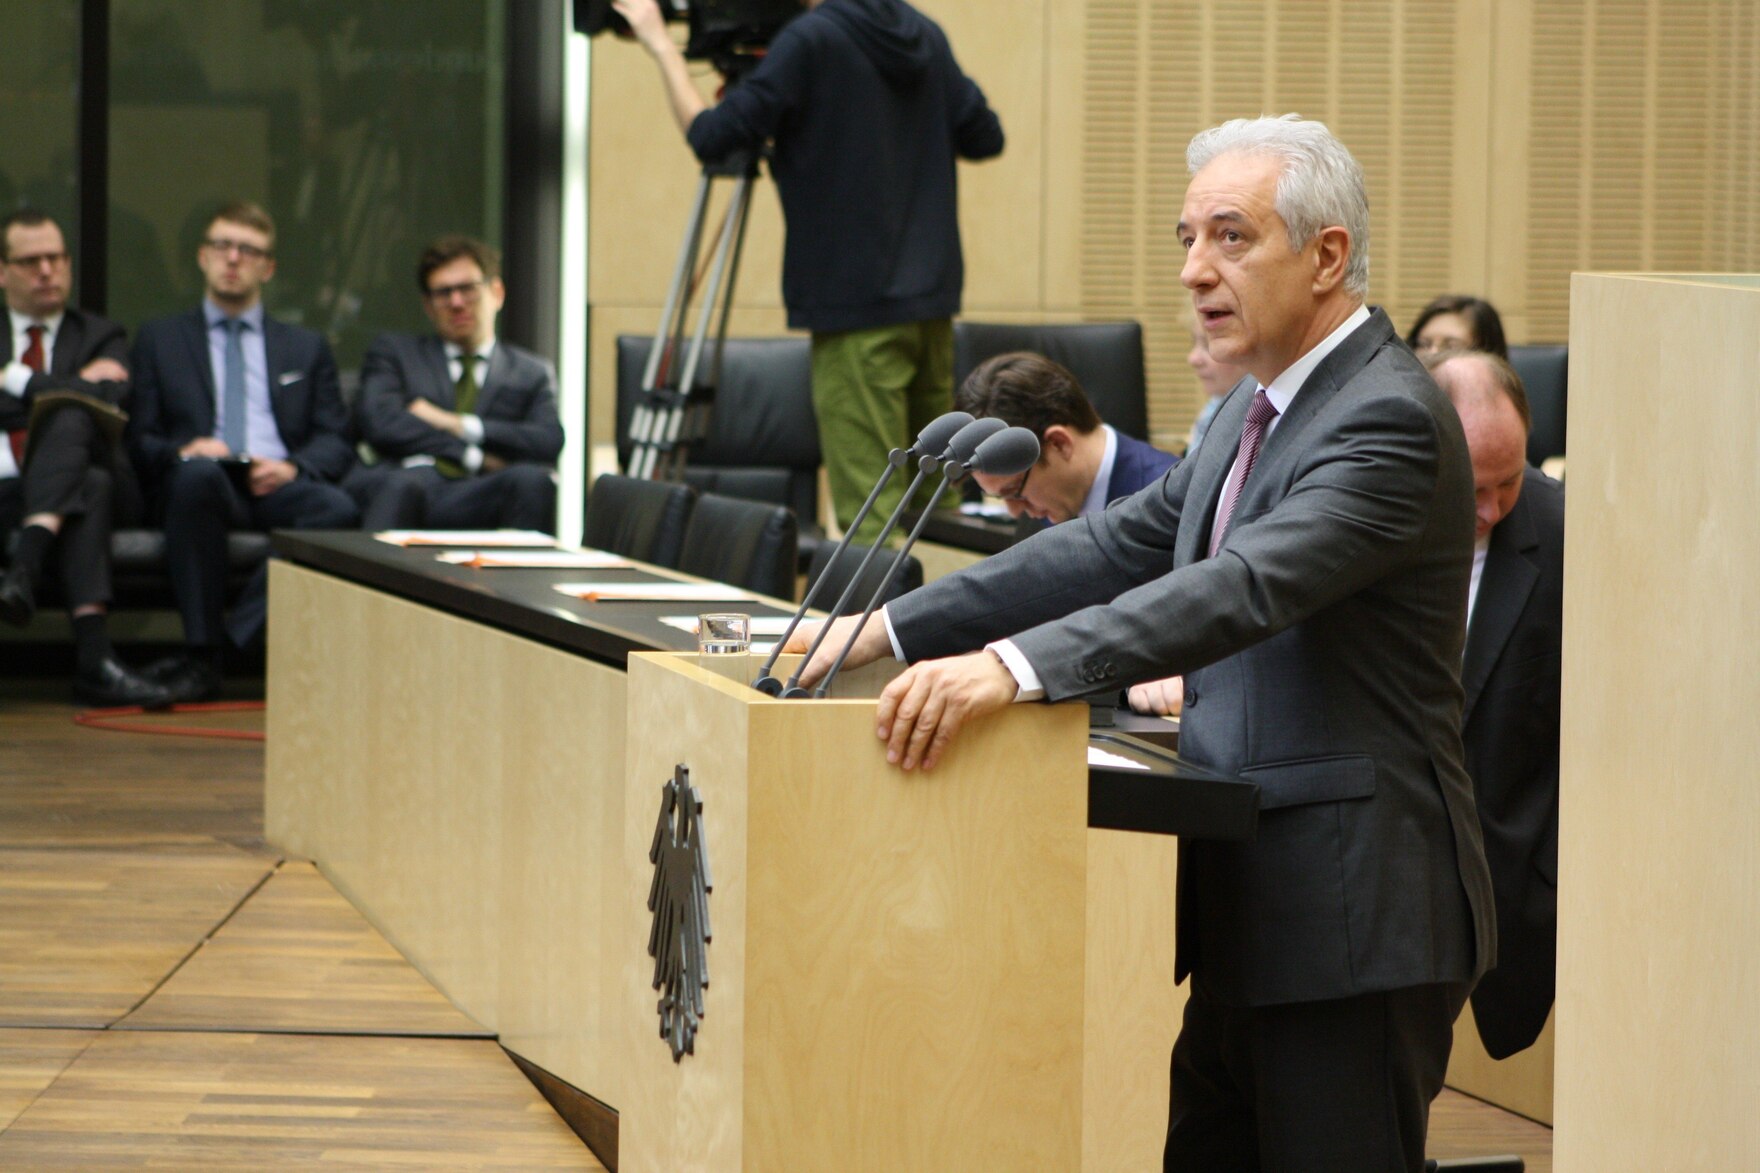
[
  {"x": 1659, "y": 815},
  {"x": 897, "y": 972}
]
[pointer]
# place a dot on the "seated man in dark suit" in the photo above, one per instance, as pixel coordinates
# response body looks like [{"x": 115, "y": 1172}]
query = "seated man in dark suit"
[
  {"x": 238, "y": 423},
  {"x": 466, "y": 424},
  {"x": 59, "y": 479},
  {"x": 1515, "y": 619},
  {"x": 1084, "y": 465}
]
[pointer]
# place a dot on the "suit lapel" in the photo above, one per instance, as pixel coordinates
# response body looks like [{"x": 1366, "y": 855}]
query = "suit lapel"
[
  {"x": 1214, "y": 460},
  {"x": 1504, "y": 587},
  {"x": 434, "y": 359},
  {"x": 274, "y": 355},
  {"x": 64, "y": 360},
  {"x": 195, "y": 337},
  {"x": 494, "y": 378}
]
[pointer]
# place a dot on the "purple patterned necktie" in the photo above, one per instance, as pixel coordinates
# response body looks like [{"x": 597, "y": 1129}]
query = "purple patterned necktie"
[{"x": 1259, "y": 417}]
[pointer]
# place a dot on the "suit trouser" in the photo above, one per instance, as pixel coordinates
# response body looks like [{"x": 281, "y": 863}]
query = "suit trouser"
[
  {"x": 873, "y": 391},
  {"x": 65, "y": 475},
  {"x": 520, "y": 496},
  {"x": 1340, "y": 1086},
  {"x": 201, "y": 507}
]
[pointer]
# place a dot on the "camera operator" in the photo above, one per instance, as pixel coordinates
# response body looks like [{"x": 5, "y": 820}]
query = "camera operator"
[{"x": 868, "y": 112}]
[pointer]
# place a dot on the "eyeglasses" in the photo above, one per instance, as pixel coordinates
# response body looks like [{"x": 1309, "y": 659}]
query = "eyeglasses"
[
  {"x": 38, "y": 260},
  {"x": 469, "y": 290},
  {"x": 1018, "y": 493},
  {"x": 249, "y": 252}
]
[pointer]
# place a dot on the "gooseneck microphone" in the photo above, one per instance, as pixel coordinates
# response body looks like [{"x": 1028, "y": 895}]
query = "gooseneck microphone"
[
  {"x": 1006, "y": 452},
  {"x": 959, "y": 448},
  {"x": 932, "y": 443}
]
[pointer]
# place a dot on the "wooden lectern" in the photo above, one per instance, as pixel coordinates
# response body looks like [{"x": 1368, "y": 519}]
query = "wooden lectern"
[{"x": 898, "y": 970}]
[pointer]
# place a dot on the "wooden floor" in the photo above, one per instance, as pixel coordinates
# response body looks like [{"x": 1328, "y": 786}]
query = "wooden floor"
[
  {"x": 233, "y": 1011},
  {"x": 228, "y": 1009}
]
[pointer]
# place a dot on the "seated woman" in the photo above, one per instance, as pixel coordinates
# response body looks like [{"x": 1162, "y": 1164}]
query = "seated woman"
[{"x": 1455, "y": 321}]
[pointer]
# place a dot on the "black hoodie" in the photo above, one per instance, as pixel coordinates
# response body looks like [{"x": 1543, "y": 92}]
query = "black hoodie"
[{"x": 868, "y": 111}]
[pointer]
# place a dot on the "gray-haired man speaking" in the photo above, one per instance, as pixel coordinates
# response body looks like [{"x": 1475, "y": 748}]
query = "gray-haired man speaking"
[{"x": 1306, "y": 572}]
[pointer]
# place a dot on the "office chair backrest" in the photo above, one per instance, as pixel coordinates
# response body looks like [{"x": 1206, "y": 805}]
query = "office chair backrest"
[
  {"x": 763, "y": 442},
  {"x": 1544, "y": 371},
  {"x": 745, "y": 543},
  {"x": 910, "y": 575},
  {"x": 645, "y": 520},
  {"x": 1105, "y": 357}
]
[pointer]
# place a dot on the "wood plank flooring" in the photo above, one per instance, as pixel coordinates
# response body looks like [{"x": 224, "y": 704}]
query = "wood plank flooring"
[
  {"x": 174, "y": 1100},
  {"x": 298, "y": 957},
  {"x": 240, "y": 1013}
]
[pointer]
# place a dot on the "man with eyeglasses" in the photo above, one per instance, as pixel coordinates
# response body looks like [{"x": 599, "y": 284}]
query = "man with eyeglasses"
[
  {"x": 59, "y": 472},
  {"x": 1084, "y": 465},
  {"x": 238, "y": 424},
  {"x": 465, "y": 424}
]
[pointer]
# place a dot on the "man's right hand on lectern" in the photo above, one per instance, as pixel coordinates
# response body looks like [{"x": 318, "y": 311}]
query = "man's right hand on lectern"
[{"x": 871, "y": 645}]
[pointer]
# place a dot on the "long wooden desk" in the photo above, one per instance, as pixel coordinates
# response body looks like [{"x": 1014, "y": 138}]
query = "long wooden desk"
[{"x": 449, "y": 745}]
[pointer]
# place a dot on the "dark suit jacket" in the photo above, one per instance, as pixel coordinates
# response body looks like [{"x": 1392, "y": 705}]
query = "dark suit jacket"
[
  {"x": 82, "y": 338},
  {"x": 174, "y": 396},
  {"x": 1511, "y": 677},
  {"x": 517, "y": 401},
  {"x": 1136, "y": 466},
  {"x": 1321, "y": 649}
]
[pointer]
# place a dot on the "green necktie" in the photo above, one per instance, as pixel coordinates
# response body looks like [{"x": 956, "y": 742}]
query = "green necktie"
[
  {"x": 464, "y": 402},
  {"x": 464, "y": 392}
]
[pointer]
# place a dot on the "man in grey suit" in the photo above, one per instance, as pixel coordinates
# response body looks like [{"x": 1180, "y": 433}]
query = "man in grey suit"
[
  {"x": 466, "y": 424},
  {"x": 1511, "y": 677},
  {"x": 1306, "y": 572}
]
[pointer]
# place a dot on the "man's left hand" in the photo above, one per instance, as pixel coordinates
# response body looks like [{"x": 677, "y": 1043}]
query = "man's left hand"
[
  {"x": 921, "y": 711},
  {"x": 269, "y": 475},
  {"x": 104, "y": 370},
  {"x": 437, "y": 417}
]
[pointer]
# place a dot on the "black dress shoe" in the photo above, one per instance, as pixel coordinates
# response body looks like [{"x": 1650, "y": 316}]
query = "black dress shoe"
[
  {"x": 188, "y": 681},
  {"x": 113, "y": 686},
  {"x": 17, "y": 601}
]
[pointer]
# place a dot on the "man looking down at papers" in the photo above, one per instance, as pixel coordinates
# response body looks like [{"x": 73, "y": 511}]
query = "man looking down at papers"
[{"x": 1307, "y": 574}]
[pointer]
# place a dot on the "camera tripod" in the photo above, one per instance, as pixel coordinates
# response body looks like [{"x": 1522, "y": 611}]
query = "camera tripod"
[{"x": 673, "y": 412}]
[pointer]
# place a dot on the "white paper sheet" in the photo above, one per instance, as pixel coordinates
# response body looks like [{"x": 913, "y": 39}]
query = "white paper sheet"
[
  {"x": 498, "y": 538},
  {"x": 695, "y": 592},
  {"x": 538, "y": 559},
  {"x": 1099, "y": 757}
]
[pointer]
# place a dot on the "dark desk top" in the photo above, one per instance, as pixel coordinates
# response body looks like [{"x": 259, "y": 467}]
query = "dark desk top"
[
  {"x": 1172, "y": 797},
  {"x": 965, "y": 532},
  {"x": 515, "y": 600}
]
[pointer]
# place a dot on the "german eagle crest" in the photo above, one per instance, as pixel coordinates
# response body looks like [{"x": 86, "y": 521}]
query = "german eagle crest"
[{"x": 679, "y": 900}]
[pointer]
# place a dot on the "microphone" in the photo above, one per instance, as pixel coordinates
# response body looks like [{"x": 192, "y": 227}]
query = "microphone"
[
  {"x": 931, "y": 443},
  {"x": 1005, "y": 452},
  {"x": 960, "y": 447}
]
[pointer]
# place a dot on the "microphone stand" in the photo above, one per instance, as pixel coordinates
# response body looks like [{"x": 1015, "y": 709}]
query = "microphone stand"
[
  {"x": 934, "y": 437},
  {"x": 993, "y": 448}
]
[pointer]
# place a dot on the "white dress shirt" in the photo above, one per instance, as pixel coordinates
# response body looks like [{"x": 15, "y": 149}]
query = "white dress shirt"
[
  {"x": 17, "y": 375},
  {"x": 470, "y": 425},
  {"x": 1097, "y": 499}
]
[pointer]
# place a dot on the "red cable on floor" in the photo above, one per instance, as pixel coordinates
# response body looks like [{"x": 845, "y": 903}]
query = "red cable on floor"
[{"x": 108, "y": 719}]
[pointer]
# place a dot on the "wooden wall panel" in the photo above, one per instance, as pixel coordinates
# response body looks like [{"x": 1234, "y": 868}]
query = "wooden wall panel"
[{"x": 1507, "y": 143}]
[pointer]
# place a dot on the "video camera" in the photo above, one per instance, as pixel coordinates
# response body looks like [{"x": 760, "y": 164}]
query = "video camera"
[{"x": 728, "y": 34}]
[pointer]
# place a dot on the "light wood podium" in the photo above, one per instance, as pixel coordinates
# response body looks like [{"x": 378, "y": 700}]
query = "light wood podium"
[{"x": 899, "y": 965}]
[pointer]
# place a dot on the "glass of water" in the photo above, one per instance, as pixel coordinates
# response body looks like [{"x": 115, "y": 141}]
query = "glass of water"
[{"x": 724, "y": 634}]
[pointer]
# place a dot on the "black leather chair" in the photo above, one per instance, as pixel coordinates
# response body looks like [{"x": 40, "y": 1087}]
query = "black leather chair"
[
  {"x": 746, "y": 543},
  {"x": 763, "y": 442},
  {"x": 639, "y": 519},
  {"x": 1105, "y": 357},
  {"x": 1544, "y": 371},
  {"x": 910, "y": 575}
]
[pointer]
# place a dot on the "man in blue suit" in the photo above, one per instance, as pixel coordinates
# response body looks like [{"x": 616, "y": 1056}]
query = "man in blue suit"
[
  {"x": 237, "y": 423},
  {"x": 1084, "y": 465}
]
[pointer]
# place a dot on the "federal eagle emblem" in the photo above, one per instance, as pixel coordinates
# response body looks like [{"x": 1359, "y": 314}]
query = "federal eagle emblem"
[{"x": 679, "y": 900}]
